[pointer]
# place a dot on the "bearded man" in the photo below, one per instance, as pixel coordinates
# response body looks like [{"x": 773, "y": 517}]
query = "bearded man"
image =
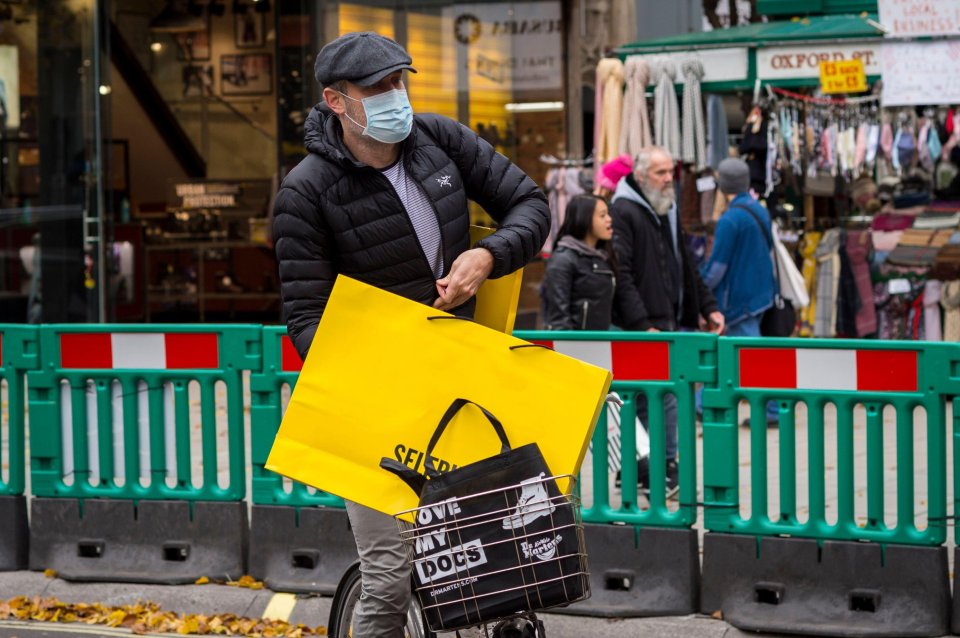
[{"x": 658, "y": 285}]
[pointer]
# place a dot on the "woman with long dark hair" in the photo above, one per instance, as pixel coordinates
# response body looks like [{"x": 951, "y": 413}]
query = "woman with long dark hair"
[{"x": 579, "y": 282}]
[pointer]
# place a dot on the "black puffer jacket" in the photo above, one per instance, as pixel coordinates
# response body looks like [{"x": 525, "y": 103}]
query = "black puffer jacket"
[
  {"x": 336, "y": 215},
  {"x": 646, "y": 291},
  {"x": 577, "y": 290}
]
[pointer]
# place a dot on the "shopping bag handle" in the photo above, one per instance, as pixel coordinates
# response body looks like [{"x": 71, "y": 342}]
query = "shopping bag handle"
[
  {"x": 414, "y": 479},
  {"x": 451, "y": 412}
]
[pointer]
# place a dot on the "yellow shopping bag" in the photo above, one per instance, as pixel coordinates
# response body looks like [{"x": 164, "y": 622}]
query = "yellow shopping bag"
[
  {"x": 497, "y": 299},
  {"x": 380, "y": 374}
]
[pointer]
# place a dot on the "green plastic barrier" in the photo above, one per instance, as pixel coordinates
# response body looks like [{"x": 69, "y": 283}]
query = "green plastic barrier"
[
  {"x": 281, "y": 366},
  {"x": 91, "y": 373},
  {"x": 956, "y": 480},
  {"x": 19, "y": 352},
  {"x": 655, "y": 364},
  {"x": 845, "y": 373}
]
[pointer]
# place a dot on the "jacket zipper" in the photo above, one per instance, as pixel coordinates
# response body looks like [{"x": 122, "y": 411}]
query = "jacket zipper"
[{"x": 586, "y": 309}]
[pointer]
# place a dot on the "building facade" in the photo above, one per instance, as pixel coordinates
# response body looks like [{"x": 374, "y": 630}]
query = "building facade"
[{"x": 141, "y": 141}]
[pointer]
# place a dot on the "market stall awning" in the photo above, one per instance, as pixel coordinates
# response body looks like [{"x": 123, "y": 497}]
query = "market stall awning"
[{"x": 782, "y": 53}]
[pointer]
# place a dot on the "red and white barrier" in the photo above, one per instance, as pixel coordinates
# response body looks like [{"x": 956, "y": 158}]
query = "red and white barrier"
[
  {"x": 824, "y": 369},
  {"x": 289, "y": 358},
  {"x": 139, "y": 351},
  {"x": 628, "y": 360}
]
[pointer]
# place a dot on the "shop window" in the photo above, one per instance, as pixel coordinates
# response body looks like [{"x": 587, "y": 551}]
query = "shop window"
[{"x": 358, "y": 17}]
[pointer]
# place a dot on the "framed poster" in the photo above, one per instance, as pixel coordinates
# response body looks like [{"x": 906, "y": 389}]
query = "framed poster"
[
  {"x": 9, "y": 87},
  {"x": 197, "y": 80},
  {"x": 249, "y": 28},
  {"x": 246, "y": 74},
  {"x": 195, "y": 45}
]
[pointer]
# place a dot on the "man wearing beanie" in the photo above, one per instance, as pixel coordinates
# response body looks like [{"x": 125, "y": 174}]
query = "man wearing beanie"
[
  {"x": 658, "y": 285},
  {"x": 382, "y": 197},
  {"x": 740, "y": 270}
]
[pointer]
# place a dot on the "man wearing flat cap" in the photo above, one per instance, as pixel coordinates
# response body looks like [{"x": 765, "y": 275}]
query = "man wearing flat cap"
[{"x": 382, "y": 197}]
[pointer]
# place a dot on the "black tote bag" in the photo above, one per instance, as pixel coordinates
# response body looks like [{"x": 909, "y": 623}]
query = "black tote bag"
[{"x": 492, "y": 538}]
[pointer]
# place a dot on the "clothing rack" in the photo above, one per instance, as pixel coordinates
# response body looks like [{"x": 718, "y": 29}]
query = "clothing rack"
[{"x": 551, "y": 160}]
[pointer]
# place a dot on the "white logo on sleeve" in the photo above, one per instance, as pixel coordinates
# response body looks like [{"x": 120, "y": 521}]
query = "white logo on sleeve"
[
  {"x": 533, "y": 504},
  {"x": 444, "y": 180}
]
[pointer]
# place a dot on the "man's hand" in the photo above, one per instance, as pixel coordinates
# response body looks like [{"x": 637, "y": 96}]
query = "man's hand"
[
  {"x": 468, "y": 271},
  {"x": 716, "y": 322}
]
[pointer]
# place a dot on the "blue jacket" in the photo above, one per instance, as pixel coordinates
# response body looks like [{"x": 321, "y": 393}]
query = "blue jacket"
[{"x": 740, "y": 270}]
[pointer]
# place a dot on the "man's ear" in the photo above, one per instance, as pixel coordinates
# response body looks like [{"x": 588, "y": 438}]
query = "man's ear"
[{"x": 334, "y": 100}]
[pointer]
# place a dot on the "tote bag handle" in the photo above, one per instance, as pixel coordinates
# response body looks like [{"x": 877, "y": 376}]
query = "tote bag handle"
[{"x": 416, "y": 480}]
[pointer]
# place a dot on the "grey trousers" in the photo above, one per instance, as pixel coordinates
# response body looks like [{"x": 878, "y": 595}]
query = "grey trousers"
[
  {"x": 669, "y": 420},
  {"x": 385, "y": 589}
]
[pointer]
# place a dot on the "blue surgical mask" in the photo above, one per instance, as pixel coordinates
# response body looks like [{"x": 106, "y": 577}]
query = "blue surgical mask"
[{"x": 389, "y": 116}]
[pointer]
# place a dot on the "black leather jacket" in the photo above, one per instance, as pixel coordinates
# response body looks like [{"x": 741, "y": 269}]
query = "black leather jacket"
[{"x": 577, "y": 291}]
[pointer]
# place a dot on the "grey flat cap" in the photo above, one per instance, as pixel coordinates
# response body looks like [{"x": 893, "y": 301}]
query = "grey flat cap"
[
  {"x": 733, "y": 176},
  {"x": 363, "y": 58}
]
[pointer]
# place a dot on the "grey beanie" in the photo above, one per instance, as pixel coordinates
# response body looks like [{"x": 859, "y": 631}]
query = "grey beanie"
[{"x": 733, "y": 176}]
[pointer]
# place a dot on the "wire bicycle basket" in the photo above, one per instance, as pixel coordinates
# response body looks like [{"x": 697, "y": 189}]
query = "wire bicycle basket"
[{"x": 495, "y": 554}]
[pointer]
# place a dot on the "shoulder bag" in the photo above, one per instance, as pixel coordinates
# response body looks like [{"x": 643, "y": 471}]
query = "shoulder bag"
[{"x": 780, "y": 319}]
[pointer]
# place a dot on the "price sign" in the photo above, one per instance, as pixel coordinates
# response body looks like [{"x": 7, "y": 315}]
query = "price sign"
[{"x": 843, "y": 76}]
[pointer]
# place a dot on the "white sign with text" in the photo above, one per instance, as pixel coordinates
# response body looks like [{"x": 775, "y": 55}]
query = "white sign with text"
[
  {"x": 908, "y": 79},
  {"x": 779, "y": 63},
  {"x": 507, "y": 45},
  {"x": 909, "y": 18}
]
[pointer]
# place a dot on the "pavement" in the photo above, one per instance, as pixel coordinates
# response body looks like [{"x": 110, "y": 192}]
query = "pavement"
[{"x": 314, "y": 610}]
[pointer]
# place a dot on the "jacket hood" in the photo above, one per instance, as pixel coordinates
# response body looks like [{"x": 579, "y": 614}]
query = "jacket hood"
[
  {"x": 626, "y": 191},
  {"x": 581, "y": 247},
  {"x": 323, "y": 135}
]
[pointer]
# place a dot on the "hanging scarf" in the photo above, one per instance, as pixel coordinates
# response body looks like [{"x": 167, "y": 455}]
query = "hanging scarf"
[
  {"x": 667, "y": 111},
  {"x": 860, "y": 152},
  {"x": 718, "y": 146},
  {"x": 886, "y": 140},
  {"x": 610, "y": 84},
  {"x": 694, "y": 130},
  {"x": 635, "y": 130},
  {"x": 950, "y": 300},
  {"x": 873, "y": 143}
]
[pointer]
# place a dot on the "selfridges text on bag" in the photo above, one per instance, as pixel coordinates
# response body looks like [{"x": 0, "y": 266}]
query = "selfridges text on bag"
[{"x": 492, "y": 538}]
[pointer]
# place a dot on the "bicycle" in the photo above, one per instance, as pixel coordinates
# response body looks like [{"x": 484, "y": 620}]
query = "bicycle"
[
  {"x": 340, "y": 624},
  {"x": 438, "y": 567},
  {"x": 503, "y": 546}
]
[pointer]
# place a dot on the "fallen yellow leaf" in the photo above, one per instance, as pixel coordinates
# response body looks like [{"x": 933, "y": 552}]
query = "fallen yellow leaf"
[
  {"x": 203, "y": 580},
  {"x": 148, "y": 617},
  {"x": 50, "y": 573}
]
